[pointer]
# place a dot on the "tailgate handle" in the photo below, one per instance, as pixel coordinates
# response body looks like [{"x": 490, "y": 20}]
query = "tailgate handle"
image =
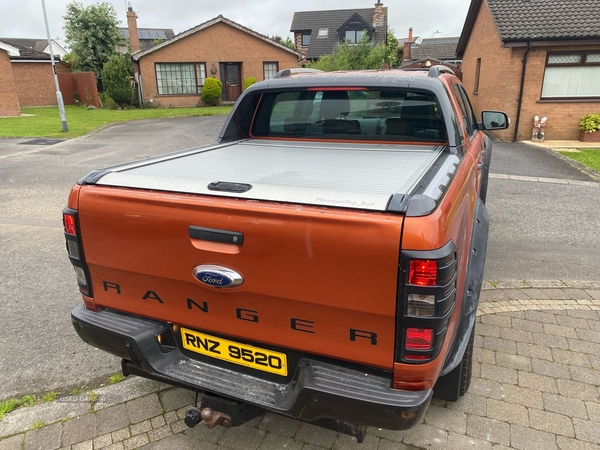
[
  {"x": 214, "y": 235},
  {"x": 226, "y": 186}
]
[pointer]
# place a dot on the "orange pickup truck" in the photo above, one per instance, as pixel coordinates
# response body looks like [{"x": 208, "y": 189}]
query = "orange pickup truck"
[{"x": 322, "y": 260}]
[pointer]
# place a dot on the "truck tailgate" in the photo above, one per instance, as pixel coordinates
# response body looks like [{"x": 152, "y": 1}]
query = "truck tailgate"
[{"x": 316, "y": 280}]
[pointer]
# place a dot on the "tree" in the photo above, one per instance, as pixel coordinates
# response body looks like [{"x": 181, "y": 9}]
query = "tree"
[
  {"x": 393, "y": 57},
  {"x": 92, "y": 33},
  {"x": 288, "y": 41},
  {"x": 116, "y": 81},
  {"x": 347, "y": 56}
]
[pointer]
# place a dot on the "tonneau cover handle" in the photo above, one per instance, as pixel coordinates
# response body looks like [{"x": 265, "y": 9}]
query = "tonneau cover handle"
[{"x": 226, "y": 186}]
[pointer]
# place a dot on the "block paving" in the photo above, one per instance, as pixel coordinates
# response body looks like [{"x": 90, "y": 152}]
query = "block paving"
[{"x": 536, "y": 385}]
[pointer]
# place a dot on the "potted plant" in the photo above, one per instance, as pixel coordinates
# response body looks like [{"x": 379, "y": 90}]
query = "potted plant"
[{"x": 590, "y": 128}]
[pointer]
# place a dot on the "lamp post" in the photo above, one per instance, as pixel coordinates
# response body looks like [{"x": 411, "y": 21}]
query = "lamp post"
[{"x": 59, "y": 99}]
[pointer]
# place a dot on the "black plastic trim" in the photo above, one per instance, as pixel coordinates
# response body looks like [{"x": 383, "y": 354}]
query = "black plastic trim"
[
  {"x": 318, "y": 390},
  {"x": 474, "y": 281},
  {"x": 78, "y": 262},
  {"x": 92, "y": 177},
  {"x": 444, "y": 291},
  {"x": 215, "y": 235},
  {"x": 228, "y": 186}
]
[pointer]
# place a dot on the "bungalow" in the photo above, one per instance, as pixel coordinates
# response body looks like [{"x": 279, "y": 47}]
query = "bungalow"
[
  {"x": 173, "y": 72},
  {"x": 533, "y": 58},
  {"x": 26, "y": 74}
]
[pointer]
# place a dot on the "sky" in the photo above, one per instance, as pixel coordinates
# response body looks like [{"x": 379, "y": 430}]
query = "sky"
[{"x": 24, "y": 18}]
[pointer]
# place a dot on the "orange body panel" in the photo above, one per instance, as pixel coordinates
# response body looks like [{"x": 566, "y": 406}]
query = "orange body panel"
[{"x": 334, "y": 270}]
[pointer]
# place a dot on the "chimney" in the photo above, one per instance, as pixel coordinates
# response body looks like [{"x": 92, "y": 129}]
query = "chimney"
[
  {"x": 407, "y": 46},
  {"x": 134, "y": 40},
  {"x": 378, "y": 16}
]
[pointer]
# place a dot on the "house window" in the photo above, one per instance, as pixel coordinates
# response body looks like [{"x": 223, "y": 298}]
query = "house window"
[
  {"x": 305, "y": 40},
  {"x": 477, "y": 72},
  {"x": 354, "y": 36},
  {"x": 323, "y": 32},
  {"x": 572, "y": 75},
  {"x": 270, "y": 69},
  {"x": 180, "y": 79}
]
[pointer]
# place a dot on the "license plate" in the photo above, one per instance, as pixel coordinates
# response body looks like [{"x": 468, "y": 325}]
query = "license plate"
[{"x": 234, "y": 352}]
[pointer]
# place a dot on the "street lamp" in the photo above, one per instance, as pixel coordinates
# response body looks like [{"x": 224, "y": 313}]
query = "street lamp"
[{"x": 59, "y": 99}]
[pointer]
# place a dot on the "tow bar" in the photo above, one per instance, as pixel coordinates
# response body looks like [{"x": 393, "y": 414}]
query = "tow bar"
[{"x": 215, "y": 411}]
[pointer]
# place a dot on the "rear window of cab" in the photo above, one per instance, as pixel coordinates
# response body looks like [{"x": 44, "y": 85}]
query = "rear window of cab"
[{"x": 352, "y": 114}]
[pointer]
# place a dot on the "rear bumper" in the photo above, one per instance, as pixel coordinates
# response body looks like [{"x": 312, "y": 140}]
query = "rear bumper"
[{"x": 318, "y": 391}]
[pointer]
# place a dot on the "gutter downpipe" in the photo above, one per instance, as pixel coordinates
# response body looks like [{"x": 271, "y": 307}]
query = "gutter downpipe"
[{"x": 520, "y": 101}]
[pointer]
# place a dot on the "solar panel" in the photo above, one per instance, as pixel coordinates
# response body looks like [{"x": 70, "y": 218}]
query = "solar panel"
[{"x": 161, "y": 34}]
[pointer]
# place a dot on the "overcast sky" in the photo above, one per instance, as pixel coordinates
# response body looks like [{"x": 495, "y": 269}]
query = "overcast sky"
[{"x": 24, "y": 18}]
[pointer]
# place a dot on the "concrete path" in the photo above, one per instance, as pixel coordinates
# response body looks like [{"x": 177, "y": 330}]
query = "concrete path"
[{"x": 536, "y": 385}]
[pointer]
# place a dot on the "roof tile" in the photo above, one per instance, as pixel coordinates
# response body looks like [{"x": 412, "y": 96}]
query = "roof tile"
[{"x": 546, "y": 19}]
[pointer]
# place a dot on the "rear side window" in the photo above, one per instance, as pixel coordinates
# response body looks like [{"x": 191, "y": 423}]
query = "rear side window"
[{"x": 353, "y": 114}]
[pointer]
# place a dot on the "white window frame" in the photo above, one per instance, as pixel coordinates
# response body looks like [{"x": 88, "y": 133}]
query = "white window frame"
[{"x": 268, "y": 70}]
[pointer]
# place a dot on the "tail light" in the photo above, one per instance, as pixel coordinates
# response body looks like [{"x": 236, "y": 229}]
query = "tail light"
[
  {"x": 423, "y": 272},
  {"x": 426, "y": 298},
  {"x": 418, "y": 339},
  {"x": 75, "y": 250}
]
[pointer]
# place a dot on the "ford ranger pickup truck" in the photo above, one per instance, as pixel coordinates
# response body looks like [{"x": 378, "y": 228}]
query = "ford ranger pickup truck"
[{"x": 322, "y": 260}]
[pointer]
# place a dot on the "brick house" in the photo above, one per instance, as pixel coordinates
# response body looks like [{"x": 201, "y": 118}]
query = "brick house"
[
  {"x": 26, "y": 74},
  {"x": 173, "y": 71},
  {"x": 39, "y": 45},
  {"x": 9, "y": 100},
  {"x": 535, "y": 57},
  {"x": 318, "y": 33}
]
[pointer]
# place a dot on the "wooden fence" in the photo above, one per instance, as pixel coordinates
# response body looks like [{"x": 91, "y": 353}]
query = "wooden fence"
[{"x": 83, "y": 83}]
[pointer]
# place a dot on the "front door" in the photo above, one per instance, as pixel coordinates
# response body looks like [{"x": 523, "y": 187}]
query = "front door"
[{"x": 231, "y": 75}]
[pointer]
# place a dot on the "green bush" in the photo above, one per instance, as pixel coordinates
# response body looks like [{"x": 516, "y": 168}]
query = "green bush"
[
  {"x": 107, "y": 102},
  {"x": 211, "y": 92},
  {"x": 249, "y": 82},
  {"x": 590, "y": 123},
  {"x": 116, "y": 79}
]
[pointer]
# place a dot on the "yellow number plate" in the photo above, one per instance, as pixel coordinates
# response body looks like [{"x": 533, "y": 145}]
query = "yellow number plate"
[{"x": 234, "y": 352}]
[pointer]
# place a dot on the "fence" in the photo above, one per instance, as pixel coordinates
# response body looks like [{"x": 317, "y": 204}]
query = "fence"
[{"x": 83, "y": 83}]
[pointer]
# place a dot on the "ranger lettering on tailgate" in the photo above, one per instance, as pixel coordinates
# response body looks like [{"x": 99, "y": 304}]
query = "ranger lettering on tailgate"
[{"x": 248, "y": 315}]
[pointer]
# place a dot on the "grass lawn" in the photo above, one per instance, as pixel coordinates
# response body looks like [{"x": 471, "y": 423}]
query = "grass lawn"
[
  {"x": 45, "y": 121},
  {"x": 589, "y": 157}
]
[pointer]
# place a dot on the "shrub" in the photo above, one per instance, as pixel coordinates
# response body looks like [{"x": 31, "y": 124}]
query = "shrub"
[
  {"x": 249, "y": 82},
  {"x": 590, "y": 123},
  {"x": 211, "y": 92},
  {"x": 115, "y": 79},
  {"x": 107, "y": 102}
]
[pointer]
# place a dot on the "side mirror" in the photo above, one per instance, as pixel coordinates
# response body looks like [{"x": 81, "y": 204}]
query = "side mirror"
[{"x": 494, "y": 120}]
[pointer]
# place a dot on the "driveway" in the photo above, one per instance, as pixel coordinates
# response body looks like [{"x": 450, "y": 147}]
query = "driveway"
[{"x": 539, "y": 231}]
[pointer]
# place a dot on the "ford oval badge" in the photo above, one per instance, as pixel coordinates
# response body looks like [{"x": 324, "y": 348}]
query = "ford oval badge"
[{"x": 217, "y": 276}]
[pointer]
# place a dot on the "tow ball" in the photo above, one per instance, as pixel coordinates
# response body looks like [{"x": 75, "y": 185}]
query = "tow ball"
[
  {"x": 207, "y": 416},
  {"x": 215, "y": 410}
]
